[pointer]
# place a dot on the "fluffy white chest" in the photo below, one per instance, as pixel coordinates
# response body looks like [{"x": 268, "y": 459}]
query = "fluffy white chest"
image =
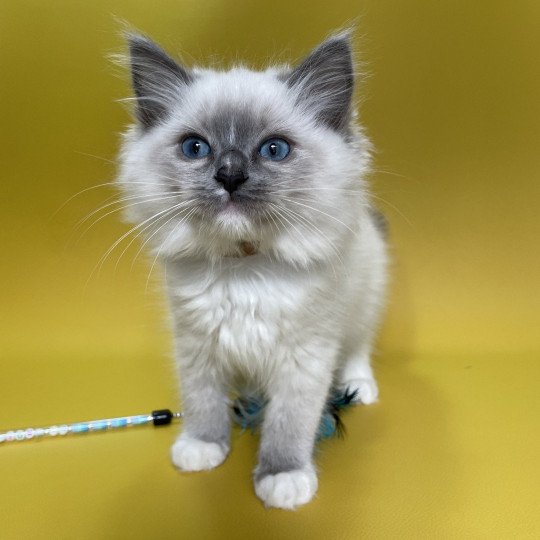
[{"x": 243, "y": 311}]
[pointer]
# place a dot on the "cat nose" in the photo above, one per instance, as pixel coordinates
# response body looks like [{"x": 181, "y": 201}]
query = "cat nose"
[
  {"x": 230, "y": 170},
  {"x": 230, "y": 178}
]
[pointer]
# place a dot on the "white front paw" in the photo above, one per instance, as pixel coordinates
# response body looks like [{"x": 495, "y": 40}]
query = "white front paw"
[
  {"x": 194, "y": 455},
  {"x": 366, "y": 390},
  {"x": 287, "y": 489}
]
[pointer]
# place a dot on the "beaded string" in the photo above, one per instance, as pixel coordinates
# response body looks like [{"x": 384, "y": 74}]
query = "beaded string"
[{"x": 159, "y": 417}]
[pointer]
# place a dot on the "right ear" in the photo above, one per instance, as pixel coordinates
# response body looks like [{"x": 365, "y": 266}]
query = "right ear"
[
  {"x": 156, "y": 79},
  {"x": 324, "y": 81}
]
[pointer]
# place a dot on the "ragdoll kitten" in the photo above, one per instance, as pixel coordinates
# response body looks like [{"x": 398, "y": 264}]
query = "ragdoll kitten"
[{"x": 250, "y": 189}]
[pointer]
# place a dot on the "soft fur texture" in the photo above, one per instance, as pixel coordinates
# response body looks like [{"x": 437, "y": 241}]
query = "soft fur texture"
[{"x": 276, "y": 287}]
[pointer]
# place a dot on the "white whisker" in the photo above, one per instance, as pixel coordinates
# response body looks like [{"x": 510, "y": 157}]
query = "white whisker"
[
  {"x": 324, "y": 213},
  {"x": 174, "y": 216},
  {"x": 114, "y": 184},
  {"x": 313, "y": 228},
  {"x": 103, "y": 258},
  {"x": 175, "y": 228},
  {"x": 95, "y": 222}
]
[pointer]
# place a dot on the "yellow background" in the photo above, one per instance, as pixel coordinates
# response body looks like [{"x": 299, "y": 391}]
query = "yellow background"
[{"x": 452, "y": 102}]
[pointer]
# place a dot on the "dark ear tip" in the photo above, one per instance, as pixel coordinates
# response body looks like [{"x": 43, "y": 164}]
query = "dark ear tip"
[
  {"x": 341, "y": 40},
  {"x": 138, "y": 42},
  {"x": 141, "y": 45},
  {"x": 345, "y": 35}
]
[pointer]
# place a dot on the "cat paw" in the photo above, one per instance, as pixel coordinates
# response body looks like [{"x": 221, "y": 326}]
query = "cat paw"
[
  {"x": 194, "y": 455},
  {"x": 287, "y": 490},
  {"x": 367, "y": 391}
]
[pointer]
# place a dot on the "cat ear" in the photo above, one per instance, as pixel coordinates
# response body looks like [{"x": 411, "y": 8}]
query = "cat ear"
[
  {"x": 324, "y": 81},
  {"x": 156, "y": 79}
]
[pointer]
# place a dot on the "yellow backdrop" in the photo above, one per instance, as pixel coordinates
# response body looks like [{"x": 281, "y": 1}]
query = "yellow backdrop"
[{"x": 451, "y": 101}]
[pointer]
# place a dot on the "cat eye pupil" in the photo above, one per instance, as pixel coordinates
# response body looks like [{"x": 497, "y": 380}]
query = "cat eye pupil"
[
  {"x": 195, "y": 147},
  {"x": 273, "y": 149}
]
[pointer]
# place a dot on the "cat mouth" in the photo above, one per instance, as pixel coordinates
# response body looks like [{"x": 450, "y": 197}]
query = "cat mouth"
[
  {"x": 236, "y": 203},
  {"x": 231, "y": 205},
  {"x": 232, "y": 211},
  {"x": 239, "y": 216}
]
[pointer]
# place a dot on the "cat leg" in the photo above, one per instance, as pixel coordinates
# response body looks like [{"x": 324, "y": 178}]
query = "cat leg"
[
  {"x": 356, "y": 375},
  {"x": 285, "y": 476},
  {"x": 204, "y": 441}
]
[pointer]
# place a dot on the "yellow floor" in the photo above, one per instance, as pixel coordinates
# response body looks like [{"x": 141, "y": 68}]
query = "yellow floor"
[{"x": 451, "y": 451}]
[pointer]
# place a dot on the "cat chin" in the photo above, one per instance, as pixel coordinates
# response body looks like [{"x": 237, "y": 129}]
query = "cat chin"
[{"x": 232, "y": 223}]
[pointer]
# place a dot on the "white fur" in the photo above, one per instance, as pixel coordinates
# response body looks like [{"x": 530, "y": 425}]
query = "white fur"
[
  {"x": 287, "y": 490},
  {"x": 193, "y": 455},
  {"x": 291, "y": 320},
  {"x": 357, "y": 376}
]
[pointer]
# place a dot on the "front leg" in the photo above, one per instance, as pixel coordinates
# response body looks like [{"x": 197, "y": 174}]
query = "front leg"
[
  {"x": 285, "y": 476},
  {"x": 204, "y": 441}
]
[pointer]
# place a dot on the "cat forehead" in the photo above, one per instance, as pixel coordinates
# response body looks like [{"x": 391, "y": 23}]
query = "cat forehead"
[
  {"x": 239, "y": 84},
  {"x": 239, "y": 102}
]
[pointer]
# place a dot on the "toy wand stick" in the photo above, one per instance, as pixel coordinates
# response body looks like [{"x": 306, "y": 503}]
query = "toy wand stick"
[{"x": 159, "y": 417}]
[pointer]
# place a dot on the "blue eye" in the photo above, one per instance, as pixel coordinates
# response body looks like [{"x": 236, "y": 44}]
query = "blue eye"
[
  {"x": 275, "y": 149},
  {"x": 195, "y": 148}
]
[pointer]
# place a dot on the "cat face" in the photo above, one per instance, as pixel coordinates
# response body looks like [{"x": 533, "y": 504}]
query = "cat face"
[{"x": 218, "y": 159}]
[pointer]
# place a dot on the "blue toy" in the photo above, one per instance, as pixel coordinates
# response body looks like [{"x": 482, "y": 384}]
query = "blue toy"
[{"x": 249, "y": 410}]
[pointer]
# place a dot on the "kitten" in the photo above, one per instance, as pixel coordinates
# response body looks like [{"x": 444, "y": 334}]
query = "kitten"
[{"x": 250, "y": 188}]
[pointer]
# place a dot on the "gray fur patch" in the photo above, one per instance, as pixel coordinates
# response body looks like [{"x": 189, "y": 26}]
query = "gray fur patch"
[
  {"x": 240, "y": 129},
  {"x": 325, "y": 80},
  {"x": 214, "y": 426},
  {"x": 155, "y": 78},
  {"x": 379, "y": 220},
  {"x": 234, "y": 127},
  {"x": 270, "y": 464}
]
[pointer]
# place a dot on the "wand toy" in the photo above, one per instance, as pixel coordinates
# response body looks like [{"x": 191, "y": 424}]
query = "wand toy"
[
  {"x": 161, "y": 417},
  {"x": 247, "y": 412}
]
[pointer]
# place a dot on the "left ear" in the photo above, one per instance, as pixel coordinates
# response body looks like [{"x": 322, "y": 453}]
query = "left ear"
[
  {"x": 325, "y": 81},
  {"x": 155, "y": 77}
]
